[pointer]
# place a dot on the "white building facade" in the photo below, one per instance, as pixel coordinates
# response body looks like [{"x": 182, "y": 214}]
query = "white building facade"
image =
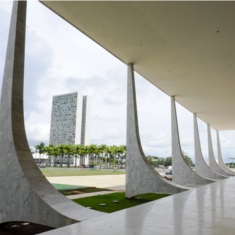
[
  {"x": 70, "y": 119},
  {"x": 85, "y": 127}
]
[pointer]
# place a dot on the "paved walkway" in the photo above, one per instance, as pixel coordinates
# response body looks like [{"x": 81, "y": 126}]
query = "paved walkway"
[{"x": 114, "y": 182}]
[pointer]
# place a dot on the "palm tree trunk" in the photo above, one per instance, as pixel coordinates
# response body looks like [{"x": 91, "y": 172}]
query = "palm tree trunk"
[
  {"x": 82, "y": 160},
  {"x": 68, "y": 161},
  {"x": 61, "y": 161},
  {"x": 55, "y": 160}
]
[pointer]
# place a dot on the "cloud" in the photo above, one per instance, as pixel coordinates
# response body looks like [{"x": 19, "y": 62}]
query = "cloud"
[{"x": 38, "y": 62}]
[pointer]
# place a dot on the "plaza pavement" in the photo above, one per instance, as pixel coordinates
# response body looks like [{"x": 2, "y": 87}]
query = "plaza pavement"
[{"x": 113, "y": 182}]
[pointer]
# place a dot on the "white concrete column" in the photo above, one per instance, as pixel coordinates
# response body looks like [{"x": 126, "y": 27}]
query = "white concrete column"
[
  {"x": 181, "y": 173},
  {"x": 212, "y": 162},
  {"x": 26, "y": 195},
  {"x": 220, "y": 158},
  {"x": 200, "y": 165},
  {"x": 140, "y": 175}
]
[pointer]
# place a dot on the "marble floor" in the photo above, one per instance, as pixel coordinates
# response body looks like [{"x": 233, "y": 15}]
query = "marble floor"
[{"x": 208, "y": 210}]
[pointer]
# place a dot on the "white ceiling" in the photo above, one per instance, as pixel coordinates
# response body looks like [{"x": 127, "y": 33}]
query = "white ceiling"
[{"x": 186, "y": 49}]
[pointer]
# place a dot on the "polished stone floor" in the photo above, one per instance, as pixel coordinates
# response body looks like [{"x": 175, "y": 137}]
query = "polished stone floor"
[{"x": 206, "y": 210}]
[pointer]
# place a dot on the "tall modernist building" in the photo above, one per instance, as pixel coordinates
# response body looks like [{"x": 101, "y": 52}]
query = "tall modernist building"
[
  {"x": 70, "y": 119},
  {"x": 85, "y": 130}
]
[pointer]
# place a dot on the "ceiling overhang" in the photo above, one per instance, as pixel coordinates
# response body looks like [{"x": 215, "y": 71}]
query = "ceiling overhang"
[{"x": 187, "y": 49}]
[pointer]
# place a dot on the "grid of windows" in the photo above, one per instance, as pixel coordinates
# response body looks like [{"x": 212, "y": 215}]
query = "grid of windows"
[{"x": 69, "y": 119}]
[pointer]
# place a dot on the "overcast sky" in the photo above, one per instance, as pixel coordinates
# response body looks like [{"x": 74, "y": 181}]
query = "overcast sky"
[{"x": 60, "y": 59}]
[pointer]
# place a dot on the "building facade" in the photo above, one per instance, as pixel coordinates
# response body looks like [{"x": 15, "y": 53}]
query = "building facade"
[
  {"x": 85, "y": 127},
  {"x": 70, "y": 119}
]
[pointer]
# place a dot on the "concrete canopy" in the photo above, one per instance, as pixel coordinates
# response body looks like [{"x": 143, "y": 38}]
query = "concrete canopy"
[{"x": 187, "y": 49}]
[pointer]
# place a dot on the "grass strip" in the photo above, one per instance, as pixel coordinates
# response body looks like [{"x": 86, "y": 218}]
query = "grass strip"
[
  {"x": 116, "y": 201},
  {"x": 65, "y": 187}
]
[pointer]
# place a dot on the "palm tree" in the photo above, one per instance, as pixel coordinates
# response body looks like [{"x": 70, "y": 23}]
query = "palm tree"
[
  {"x": 40, "y": 149},
  {"x": 121, "y": 154},
  {"x": 80, "y": 152},
  {"x": 103, "y": 152},
  {"x": 84, "y": 151},
  {"x": 77, "y": 153},
  {"x": 91, "y": 151},
  {"x": 112, "y": 152},
  {"x": 96, "y": 154},
  {"x": 49, "y": 151},
  {"x": 56, "y": 153},
  {"x": 62, "y": 151},
  {"x": 117, "y": 157},
  {"x": 70, "y": 149}
]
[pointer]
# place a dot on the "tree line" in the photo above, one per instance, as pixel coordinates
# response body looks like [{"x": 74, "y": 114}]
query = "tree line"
[
  {"x": 160, "y": 161},
  {"x": 97, "y": 154},
  {"x": 105, "y": 155}
]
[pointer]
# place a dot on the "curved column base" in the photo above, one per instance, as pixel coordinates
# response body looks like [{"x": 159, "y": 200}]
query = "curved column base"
[
  {"x": 200, "y": 165},
  {"x": 213, "y": 165},
  {"x": 223, "y": 166},
  {"x": 221, "y": 163},
  {"x": 216, "y": 168},
  {"x": 206, "y": 172},
  {"x": 26, "y": 194},
  {"x": 182, "y": 174},
  {"x": 142, "y": 178}
]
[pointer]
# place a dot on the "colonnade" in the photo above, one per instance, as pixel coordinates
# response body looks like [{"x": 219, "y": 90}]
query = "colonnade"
[
  {"x": 142, "y": 178},
  {"x": 26, "y": 195}
]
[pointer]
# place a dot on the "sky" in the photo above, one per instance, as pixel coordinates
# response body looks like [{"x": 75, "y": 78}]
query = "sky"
[{"x": 59, "y": 59}]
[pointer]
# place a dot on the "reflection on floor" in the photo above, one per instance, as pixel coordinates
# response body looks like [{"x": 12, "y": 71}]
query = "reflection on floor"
[{"x": 205, "y": 210}]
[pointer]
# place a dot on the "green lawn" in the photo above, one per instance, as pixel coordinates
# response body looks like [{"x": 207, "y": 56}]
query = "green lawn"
[
  {"x": 50, "y": 171},
  {"x": 116, "y": 201}
]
